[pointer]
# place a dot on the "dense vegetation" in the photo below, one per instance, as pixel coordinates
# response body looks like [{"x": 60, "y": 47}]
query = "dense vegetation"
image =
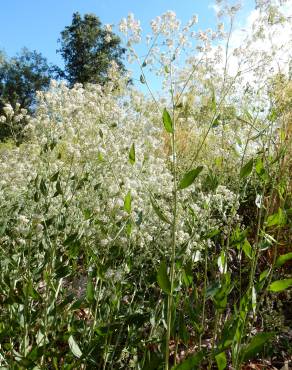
[{"x": 149, "y": 232}]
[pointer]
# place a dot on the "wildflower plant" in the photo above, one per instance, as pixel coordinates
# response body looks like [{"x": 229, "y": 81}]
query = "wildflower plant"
[{"x": 136, "y": 228}]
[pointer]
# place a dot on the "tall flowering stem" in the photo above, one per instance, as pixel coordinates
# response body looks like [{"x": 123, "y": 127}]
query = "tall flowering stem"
[{"x": 173, "y": 231}]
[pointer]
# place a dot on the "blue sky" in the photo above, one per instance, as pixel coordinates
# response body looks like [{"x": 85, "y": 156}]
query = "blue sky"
[{"x": 37, "y": 24}]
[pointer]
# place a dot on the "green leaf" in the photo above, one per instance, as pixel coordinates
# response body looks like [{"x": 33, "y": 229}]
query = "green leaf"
[
  {"x": 190, "y": 177},
  {"x": 191, "y": 363},
  {"x": 36, "y": 196},
  {"x": 211, "y": 234},
  {"x": 276, "y": 219},
  {"x": 283, "y": 259},
  {"x": 55, "y": 177},
  {"x": 280, "y": 285},
  {"x": 246, "y": 169},
  {"x": 159, "y": 212},
  {"x": 179, "y": 105},
  {"x": 74, "y": 347},
  {"x": 256, "y": 345},
  {"x": 129, "y": 227},
  {"x": 264, "y": 274},
  {"x": 58, "y": 189},
  {"x": 90, "y": 291},
  {"x": 128, "y": 203},
  {"x": 221, "y": 361},
  {"x": 187, "y": 275},
  {"x": 162, "y": 278},
  {"x": 167, "y": 121},
  {"x": 260, "y": 170},
  {"x": 216, "y": 121},
  {"x": 100, "y": 156},
  {"x": 132, "y": 155},
  {"x": 246, "y": 247},
  {"x": 43, "y": 187}
]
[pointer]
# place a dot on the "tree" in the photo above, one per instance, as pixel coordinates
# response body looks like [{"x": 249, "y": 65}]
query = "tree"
[
  {"x": 88, "y": 48},
  {"x": 20, "y": 78}
]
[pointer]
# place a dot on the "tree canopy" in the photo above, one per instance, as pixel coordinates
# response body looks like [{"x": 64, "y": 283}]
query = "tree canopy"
[
  {"x": 20, "y": 78},
  {"x": 88, "y": 48}
]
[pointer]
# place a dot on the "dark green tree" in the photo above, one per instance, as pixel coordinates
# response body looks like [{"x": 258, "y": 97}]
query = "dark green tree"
[
  {"x": 20, "y": 78},
  {"x": 87, "y": 49}
]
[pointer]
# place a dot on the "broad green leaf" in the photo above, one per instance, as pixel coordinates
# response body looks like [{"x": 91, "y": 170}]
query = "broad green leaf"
[
  {"x": 43, "y": 187},
  {"x": 259, "y": 166},
  {"x": 100, "y": 156},
  {"x": 264, "y": 274},
  {"x": 260, "y": 170},
  {"x": 74, "y": 347},
  {"x": 187, "y": 275},
  {"x": 221, "y": 361},
  {"x": 128, "y": 203},
  {"x": 90, "y": 291},
  {"x": 179, "y": 105},
  {"x": 132, "y": 155},
  {"x": 246, "y": 247},
  {"x": 190, "y": 177},
  {"x": 55, "y": 177},
  {"x": 158, "y": 211},
  {"x": 216, "y": 121},
  {"x": 276, "y": 219},
  {"x": 71, "y": 239},
  {"x": 211, "y": 234},
  {"x": 162, "y": 278},
  {"x": 283, "y": 259},
  {"x": 167, "y": 121},
  {"x": 212, "y": 289},
  {"x": 29, "y": 289},
  {"x": 87, "y": 213},
  {"x": 129, "y": 227},
  {"x": 191, "y": 363},
  {"x": 36, "y": 196},
  {"x": 280, "y": 285},
  {"x": 256, "y": 345},
  {"x": 246, "y": 169},
  {"x": 166, "y": 69},
  {"x": 58, "y": 189}
]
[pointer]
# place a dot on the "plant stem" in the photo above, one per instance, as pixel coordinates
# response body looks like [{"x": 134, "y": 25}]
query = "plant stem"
[
  {"x": 173, "y": 237},
  {"x": 204, "y": 298}
]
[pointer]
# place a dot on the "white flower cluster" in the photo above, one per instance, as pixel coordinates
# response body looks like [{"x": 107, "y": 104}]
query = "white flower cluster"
[
  {"x": 131, "y": 28},
  {"x": 91, "y": 131}
]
